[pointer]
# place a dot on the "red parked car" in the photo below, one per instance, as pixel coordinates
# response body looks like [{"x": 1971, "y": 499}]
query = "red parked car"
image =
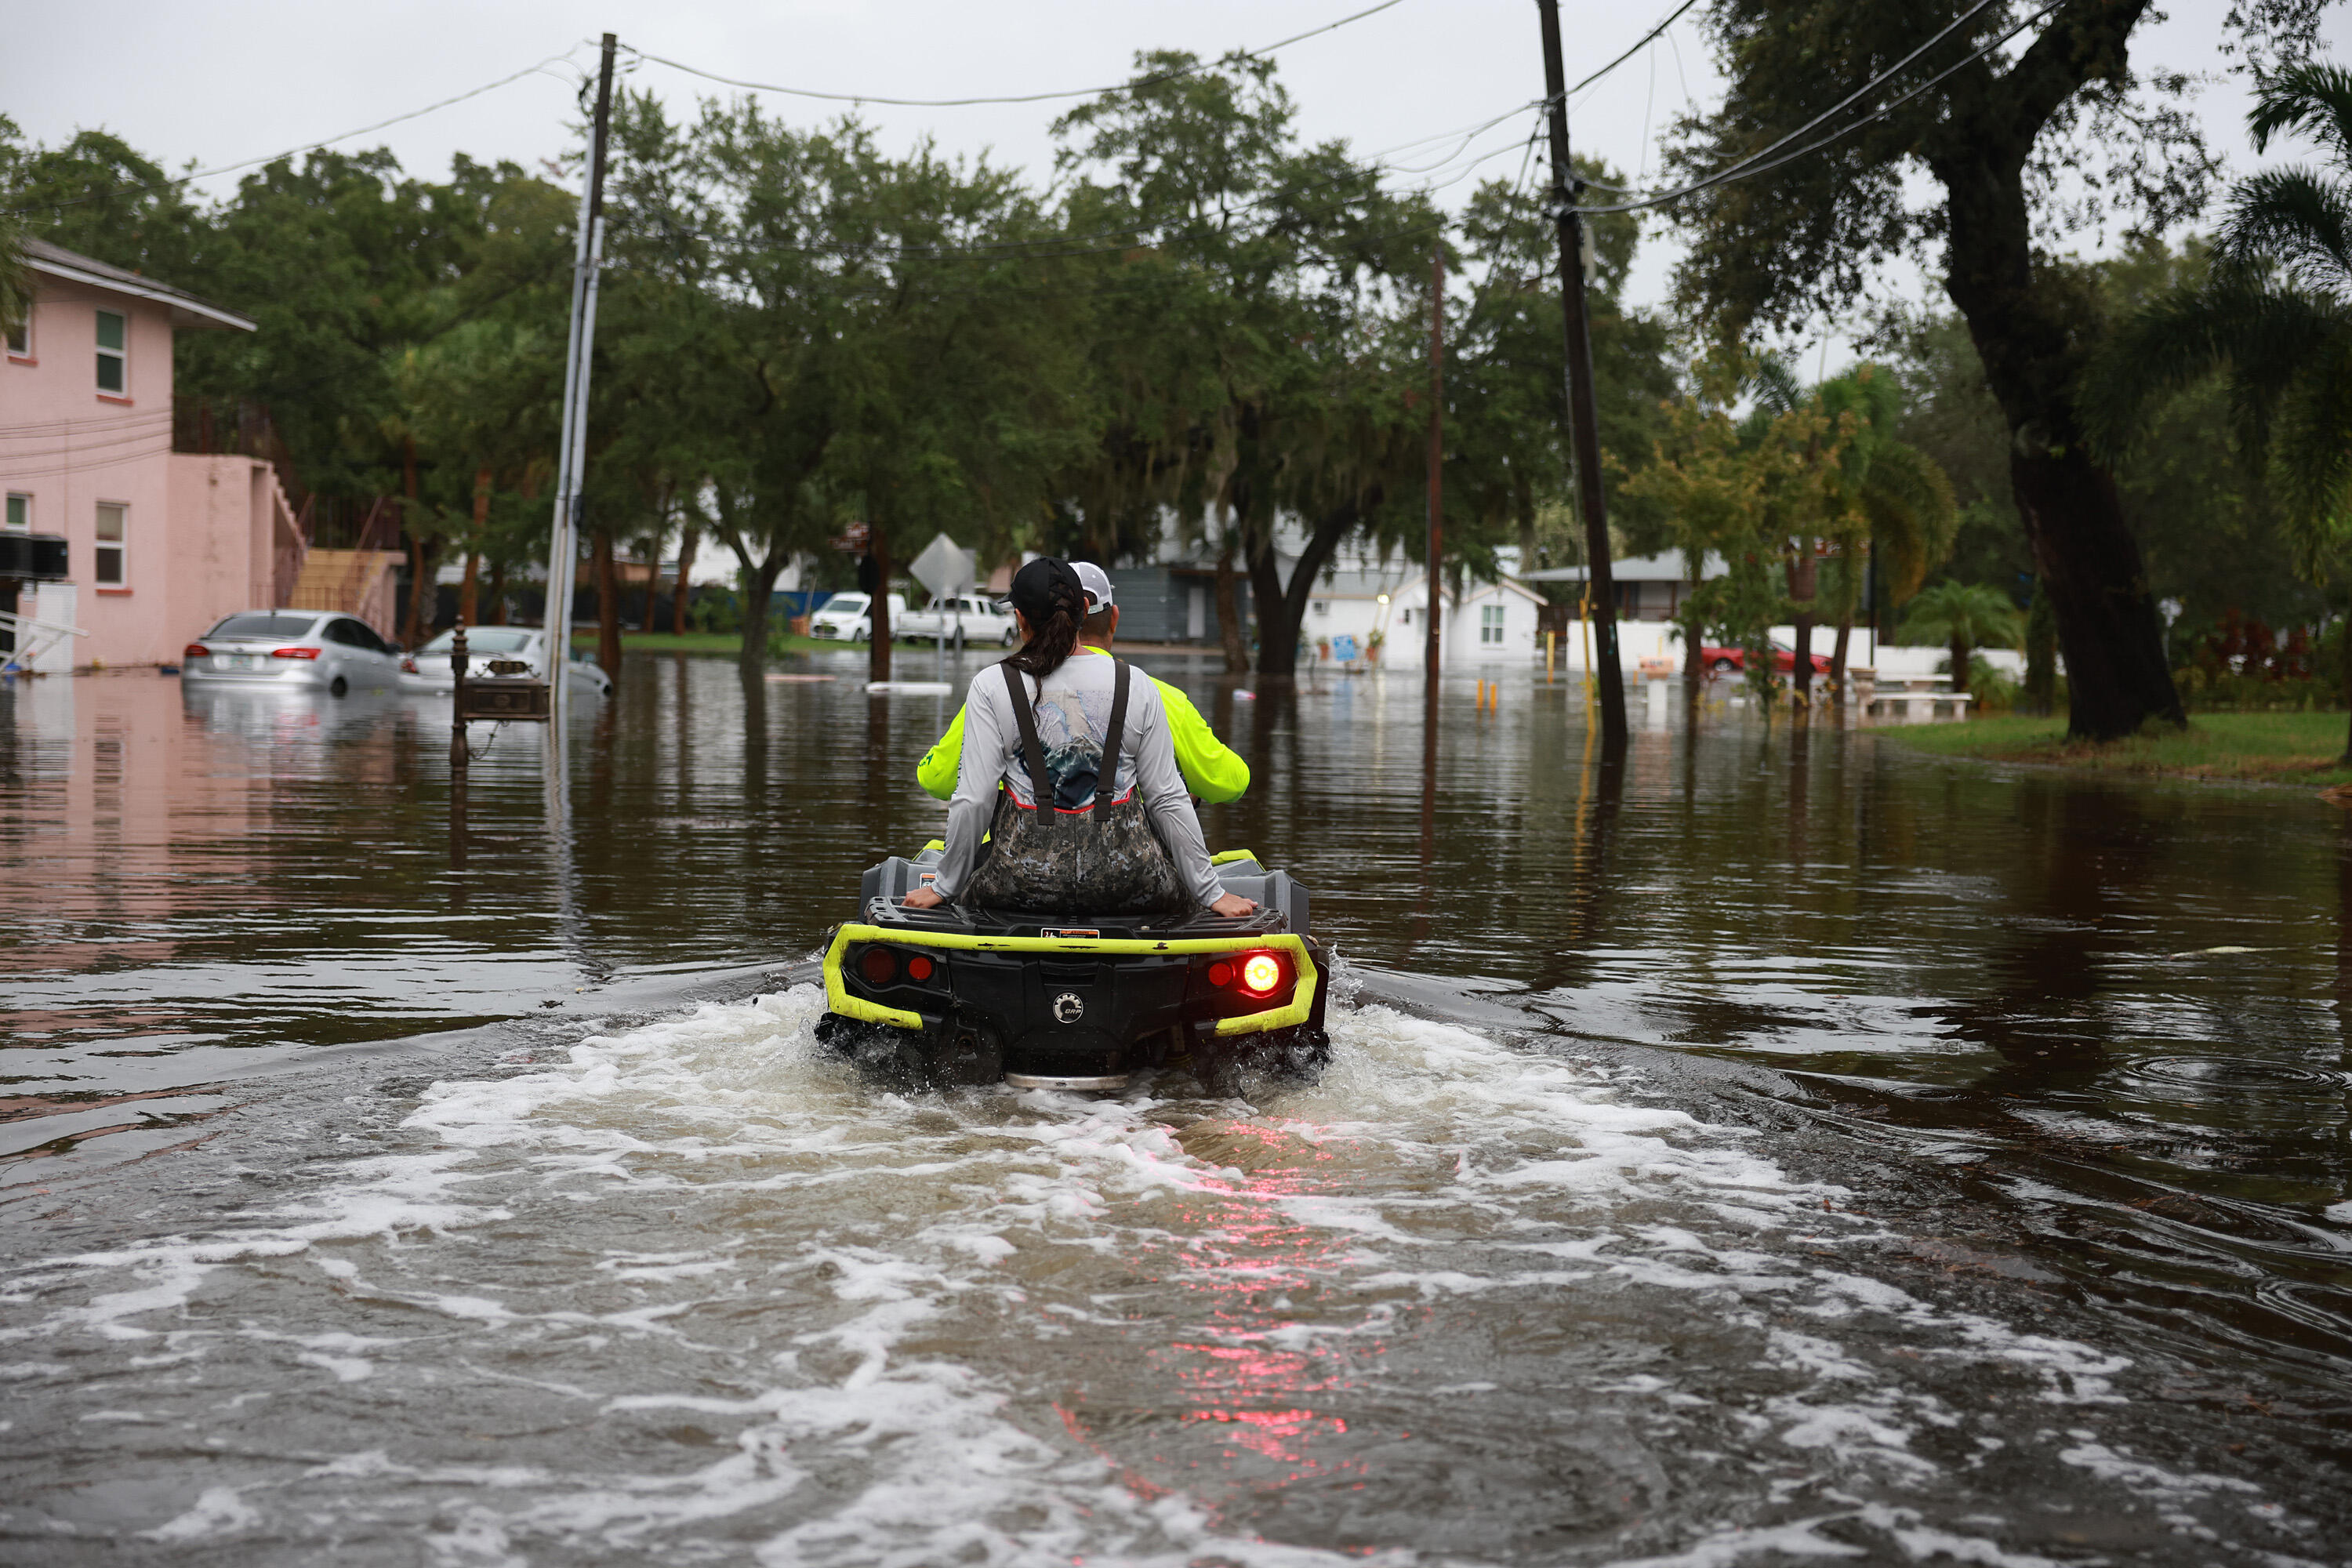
[{"x": 1734, "y": 660}]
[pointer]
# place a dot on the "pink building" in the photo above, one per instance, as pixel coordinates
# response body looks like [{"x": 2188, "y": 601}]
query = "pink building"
[{"x": 108, "y": 529}]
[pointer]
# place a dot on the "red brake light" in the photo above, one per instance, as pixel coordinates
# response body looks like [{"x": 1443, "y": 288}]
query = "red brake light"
[
  {"x": 1261, "y": 974},
  {"x": 1221, "y": 973},
  {"x": 879, "y": 965},
  {"x": 918, "y": 968},
  {"x": 196, "y": 650},
  {"x": 408, "y": 667},
  {"x": 295, "y": 652}
]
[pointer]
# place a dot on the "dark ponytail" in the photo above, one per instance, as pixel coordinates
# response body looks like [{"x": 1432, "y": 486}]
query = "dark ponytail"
[{"x": 1055, "y": 637}]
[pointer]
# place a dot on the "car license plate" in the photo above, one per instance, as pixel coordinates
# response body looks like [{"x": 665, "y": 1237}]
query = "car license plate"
[{"x": 248, "y": 661}]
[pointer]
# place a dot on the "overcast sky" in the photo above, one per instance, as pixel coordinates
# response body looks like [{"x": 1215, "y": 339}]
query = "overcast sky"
[{"x": 234, "y": 79}]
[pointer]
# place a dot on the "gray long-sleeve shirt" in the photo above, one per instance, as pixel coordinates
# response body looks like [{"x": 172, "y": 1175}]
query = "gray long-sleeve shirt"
[{"x": 1072, "y": 713}]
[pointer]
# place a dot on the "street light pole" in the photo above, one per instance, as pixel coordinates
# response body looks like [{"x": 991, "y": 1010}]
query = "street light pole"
[
  {"x": 571, "y": 453},
  {"x": 1583, "y": 417},
  {"x": 1436, "y": 551}
]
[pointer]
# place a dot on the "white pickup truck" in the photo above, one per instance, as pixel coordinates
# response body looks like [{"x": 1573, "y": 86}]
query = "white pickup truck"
[
  {"x": 936, "y": 622},
  {"x": 848, "y": 617}
]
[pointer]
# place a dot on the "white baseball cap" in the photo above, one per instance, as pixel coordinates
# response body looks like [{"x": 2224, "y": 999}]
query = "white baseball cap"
[{"x": 1096, "y": 583}]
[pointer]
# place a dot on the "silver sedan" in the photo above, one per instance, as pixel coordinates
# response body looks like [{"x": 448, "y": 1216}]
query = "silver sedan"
[
  {"x": 427, "y": 669},
  {"x": 304, "y": 649}
]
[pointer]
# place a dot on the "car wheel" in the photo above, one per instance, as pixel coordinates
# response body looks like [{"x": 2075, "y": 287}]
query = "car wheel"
[
  {"x": 1725, "y": 666},
  {"x": 1012, "y": 638},
  {"x": 338, "y": 687},
  {"x": 860, "y": 634}
]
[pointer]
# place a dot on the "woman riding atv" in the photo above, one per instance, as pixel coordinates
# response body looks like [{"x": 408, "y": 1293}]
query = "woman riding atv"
[{"x": 1070, "y": 773}]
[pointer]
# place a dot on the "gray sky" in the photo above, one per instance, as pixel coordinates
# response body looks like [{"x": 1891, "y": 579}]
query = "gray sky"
[{"x": 238, "y": 78}]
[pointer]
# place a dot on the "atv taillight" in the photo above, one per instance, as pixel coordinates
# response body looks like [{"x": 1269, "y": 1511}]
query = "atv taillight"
[
  {"x": 879, "y": 965},
  {"x": 918, "y": 968},
  {"x": 1261, "y": 974}
]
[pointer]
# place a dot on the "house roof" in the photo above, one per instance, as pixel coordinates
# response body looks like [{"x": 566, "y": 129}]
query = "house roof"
[
  {"x": 1668, "y": 567},
  {"x": 187, "y": 310}
]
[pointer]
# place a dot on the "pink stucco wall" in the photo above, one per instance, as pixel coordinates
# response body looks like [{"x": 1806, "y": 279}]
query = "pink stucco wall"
[{"x": 197, "y": 528}]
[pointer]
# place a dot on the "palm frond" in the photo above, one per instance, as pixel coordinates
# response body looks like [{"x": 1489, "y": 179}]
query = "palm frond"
[
  {"x": 2296, "y": 220},
  {"x": 2312, "y": 461},
  {"x": 2262, "y": 331},
  {"x": 1912, "y": 516},
  {"x": 2312, "y": 99}
]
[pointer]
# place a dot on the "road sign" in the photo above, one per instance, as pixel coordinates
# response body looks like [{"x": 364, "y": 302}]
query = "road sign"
[{"x": 942, "y": 567}]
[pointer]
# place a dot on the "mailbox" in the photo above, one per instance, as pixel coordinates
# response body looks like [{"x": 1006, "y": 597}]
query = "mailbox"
[{"x": 503, "y": 699}]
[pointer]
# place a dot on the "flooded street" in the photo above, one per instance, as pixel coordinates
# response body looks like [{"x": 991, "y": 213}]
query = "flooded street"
[{"x": 1781, "y": 1147}]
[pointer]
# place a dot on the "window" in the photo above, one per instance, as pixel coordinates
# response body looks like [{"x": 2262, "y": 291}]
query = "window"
[
  {"x": 20, "y": 511},
  {"x": 263, "y": 627},
  {"x": 20, "y": 338},
  {"x": 1490, "y": 623},
  {"x": 112, "y": 543},
  {"x": 113, "y": 350},
  {"x": 1404, "y": 616},
  {"x": 1322, "y": 607}
]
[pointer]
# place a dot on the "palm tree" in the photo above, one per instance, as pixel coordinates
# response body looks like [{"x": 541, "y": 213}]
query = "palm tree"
[
  {"x": 1968, "y": 617},
  {"x": 1897, "y": 502},
  {"x": 2275, "y": 315}
]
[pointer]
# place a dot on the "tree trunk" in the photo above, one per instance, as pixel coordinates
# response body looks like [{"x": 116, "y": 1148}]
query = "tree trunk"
[
  {"x": 608, "y": 606},
  {"x": 1280, "y": 607},
  {"x": 1962, "y": 656},
  {"x": 411, "y": 633},
  {"x": 878, "y": 656},
  {"x": 760, "y": 586},
  {"x": 1804, "y": 577},
  {"x": 687, "y": 545},
  {"x": 497, "y": 594},
  {"x": 2348, "y": 677},
  {"x": 1229, "y": 615},
  {"x": 2030, "y": 335},
  {"x": 466, "y": 595}
]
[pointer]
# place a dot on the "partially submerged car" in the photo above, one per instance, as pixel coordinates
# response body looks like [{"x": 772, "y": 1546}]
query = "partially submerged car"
[
  {"x": 321, "y": 650},
  {"x": 427, "y": 671}
]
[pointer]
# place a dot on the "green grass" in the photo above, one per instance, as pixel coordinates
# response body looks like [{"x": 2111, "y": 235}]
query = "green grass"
[{"x": 2301, "y": 749}]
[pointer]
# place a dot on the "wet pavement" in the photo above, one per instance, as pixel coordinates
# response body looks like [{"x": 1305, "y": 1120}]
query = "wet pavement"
[{"x": 1779, "y": 1146}]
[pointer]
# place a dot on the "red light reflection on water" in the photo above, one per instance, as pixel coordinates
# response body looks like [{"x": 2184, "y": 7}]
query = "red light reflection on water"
[{"x": 1257, "y": 1359}]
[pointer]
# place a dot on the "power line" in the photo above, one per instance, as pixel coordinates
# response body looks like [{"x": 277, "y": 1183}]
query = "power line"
[
  {"x": 1646, "y": 40},
  {"x": 308, "y": 147},
  {"x": 1751, "y": 165},
  {"x": 1134, "y": 85}
]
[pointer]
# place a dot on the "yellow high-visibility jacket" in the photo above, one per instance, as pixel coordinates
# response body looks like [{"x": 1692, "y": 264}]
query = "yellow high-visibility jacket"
[{"x": 1211, "y": 769}]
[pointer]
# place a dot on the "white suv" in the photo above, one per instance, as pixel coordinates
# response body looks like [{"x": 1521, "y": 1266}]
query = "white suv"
[{"x": 843, "y": 617}]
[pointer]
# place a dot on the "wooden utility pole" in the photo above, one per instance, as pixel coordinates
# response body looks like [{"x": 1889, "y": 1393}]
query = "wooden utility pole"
[
  {"x": 572, "y": 452},
  {"x": 1583, "y": 417},
  {"x": 1436, "y": 551}
]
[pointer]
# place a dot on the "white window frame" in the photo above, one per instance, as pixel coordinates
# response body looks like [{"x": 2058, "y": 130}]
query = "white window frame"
[
  {"x": 25, "y": 526},
  {"x": 121, "y": 547},
  {"x": 121, "y": 356},
  {"x": 1491, "y": 621}
]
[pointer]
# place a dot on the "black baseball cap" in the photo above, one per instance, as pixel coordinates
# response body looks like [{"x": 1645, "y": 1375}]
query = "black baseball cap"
[{"x": 1035, "y": 586}]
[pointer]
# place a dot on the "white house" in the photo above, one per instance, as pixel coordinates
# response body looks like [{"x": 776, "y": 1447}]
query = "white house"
[{"x": 1491, "y": 623}]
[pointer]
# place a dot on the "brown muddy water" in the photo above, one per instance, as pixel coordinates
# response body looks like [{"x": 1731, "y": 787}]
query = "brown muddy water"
[{"x": 1781, "y": 1148}]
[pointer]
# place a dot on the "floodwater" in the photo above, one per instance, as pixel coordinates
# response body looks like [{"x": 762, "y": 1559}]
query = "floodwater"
[{"x": 1780, "y": 1148}]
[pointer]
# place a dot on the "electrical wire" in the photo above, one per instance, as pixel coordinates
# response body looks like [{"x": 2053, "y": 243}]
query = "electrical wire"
[
  {"x": 1751, "y": 165},
  {"x": 1646, "y": 40},
  {"x": 291, "y": 152},
  {"x": 1134, "y": 86}
]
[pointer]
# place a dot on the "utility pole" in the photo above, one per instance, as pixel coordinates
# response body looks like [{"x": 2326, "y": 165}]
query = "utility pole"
[
  {"x": 1583, "y": 417},
  {"x": 1436, "y": 551},
  {"x": 571, "y": 453}
]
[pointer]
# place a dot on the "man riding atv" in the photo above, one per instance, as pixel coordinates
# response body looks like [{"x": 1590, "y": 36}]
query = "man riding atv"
[{"x": 1212, "y": 772}]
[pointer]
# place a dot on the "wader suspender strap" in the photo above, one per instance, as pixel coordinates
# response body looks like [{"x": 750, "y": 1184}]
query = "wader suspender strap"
[
  {"x": 1041, "y": 784},
  {"x": 1106, "y": 780}
]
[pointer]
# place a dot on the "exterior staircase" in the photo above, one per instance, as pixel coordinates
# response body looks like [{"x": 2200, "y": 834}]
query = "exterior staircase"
[{"x": 358, "y": 582}]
